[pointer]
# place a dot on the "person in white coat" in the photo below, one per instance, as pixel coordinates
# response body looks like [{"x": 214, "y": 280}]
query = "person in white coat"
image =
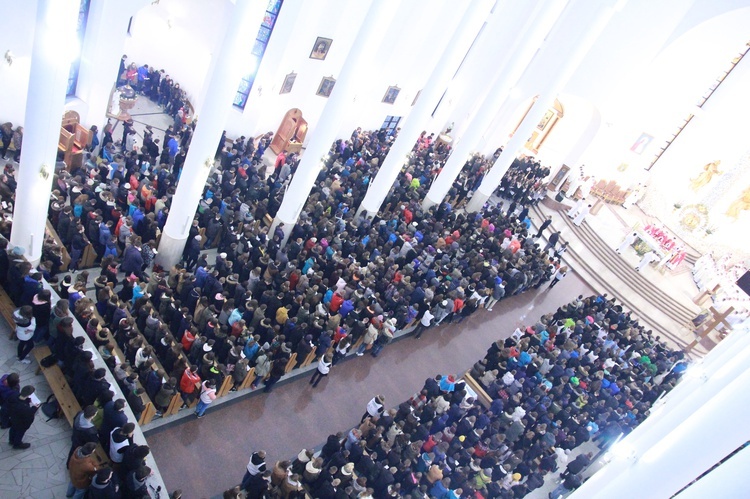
[
  {"x": 575, "y": 209},
  {"x": 574, "y": 185},
  {"x": 629, "y": 239},
  {"x": 582, "y": 215},
  {"x": 324, "y": 367}
]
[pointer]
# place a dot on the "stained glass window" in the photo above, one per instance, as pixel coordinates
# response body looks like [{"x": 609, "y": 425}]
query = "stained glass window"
[
  {"x": 259, "y": 48},
  {"x": 83, "y": 16}
]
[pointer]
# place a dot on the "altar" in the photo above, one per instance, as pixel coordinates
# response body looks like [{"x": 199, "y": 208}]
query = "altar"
[{"x": 645, "y": 240}]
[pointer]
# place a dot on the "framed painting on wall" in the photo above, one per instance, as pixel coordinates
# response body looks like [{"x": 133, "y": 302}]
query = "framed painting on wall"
[
  {"x": 321, "y": 48},
  {"x": 326, "y": 87},
  {"x": 391, "y": 94},
  {"x": 642, "y": 143},
  {"x": 288, "y": 84}
]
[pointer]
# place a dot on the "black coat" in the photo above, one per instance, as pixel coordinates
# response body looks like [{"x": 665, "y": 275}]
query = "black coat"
[{"x": 21, "y": 413}]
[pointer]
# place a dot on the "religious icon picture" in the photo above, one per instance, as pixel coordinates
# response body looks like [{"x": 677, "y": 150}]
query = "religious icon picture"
[
  {"x": 288, "y": 84},
  {"x": 321, "y": 48},
  {"x": 642, "y": 143},
  {"x": 391, "y": 94},
  {"x": 326, "y": 87}
]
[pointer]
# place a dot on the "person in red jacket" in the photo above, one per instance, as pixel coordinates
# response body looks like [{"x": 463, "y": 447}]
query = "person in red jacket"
[
  {"x": 189, "y": 384},
  {"x": 336, "y": 301}
]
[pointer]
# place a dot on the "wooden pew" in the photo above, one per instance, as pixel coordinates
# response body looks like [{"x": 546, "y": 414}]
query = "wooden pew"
[
  {"x": 149, "y": 410},
  {"x": 484, "y": 398},
  {"x": 64, "y": 395},
  {"x": 59, "y": 385},
  {"x": 226, "y": 385},
  {"x": 174, "y": 405},
  {"x": 249, "y": 378},
  {"x": 63, "y": 250},
  {"x": 7, "y": 307},
  {"x": 291, "y": 363},
  {"x": 310, "y": 357}
]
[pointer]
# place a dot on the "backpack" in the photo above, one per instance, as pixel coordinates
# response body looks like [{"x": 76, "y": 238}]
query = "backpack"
[{"x": 51, "y": 408}]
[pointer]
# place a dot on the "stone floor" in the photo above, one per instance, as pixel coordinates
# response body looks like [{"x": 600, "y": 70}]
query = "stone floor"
[{"x": 37, "y": 472}]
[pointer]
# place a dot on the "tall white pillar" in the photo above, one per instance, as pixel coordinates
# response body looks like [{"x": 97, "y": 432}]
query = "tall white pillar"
[
  {"x": 729, "y": 479},
  {"x": 222, "y": 87},
  {"x": 545, "y": 100},
  {"x": 536, "y": 27},
  {"x": 473, "y": 82},
  {"x": 663, "y": 466},
  {"x": 420, "y": 115},
  {"x": 103, "y": 46},
  {"x": 324, "y": 133},
  {"x": 54, "y": 33},
  {"x": 696, "y": 390}
]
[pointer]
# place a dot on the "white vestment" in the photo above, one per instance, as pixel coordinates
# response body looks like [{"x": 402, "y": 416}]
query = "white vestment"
[{"x": 581, "y": 216}]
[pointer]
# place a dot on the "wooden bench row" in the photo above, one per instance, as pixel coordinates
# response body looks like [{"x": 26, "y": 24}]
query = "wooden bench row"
[
  {"x": 64, "y": 394},
  {"x": 482, "y": 394},
  {"x": 149, "y": 410},
  {"x": 7, "y": 307}
]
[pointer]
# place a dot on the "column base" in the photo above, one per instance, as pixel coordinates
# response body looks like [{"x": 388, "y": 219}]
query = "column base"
[
  {"x": 287, "y": 228},
  {"x": 170, "y": 251},
  {"x": 368, "y": 213},
  {"x": 477, "y": 201},
  {"x": 428, "y": 202}
]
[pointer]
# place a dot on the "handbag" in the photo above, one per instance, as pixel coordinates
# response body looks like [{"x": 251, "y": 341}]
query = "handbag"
[
  {"x": 49, "y": 361},
  {"x": 50, "y": 407}
]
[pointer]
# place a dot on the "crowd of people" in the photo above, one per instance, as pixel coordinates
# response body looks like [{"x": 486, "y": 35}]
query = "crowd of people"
[
  {"x": 340, "y": 276},
  {"x": 586, "y": 372},
  {"x": 342, "y": 280}
]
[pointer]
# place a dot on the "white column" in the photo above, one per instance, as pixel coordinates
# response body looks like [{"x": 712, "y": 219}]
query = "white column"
[
  {"x": 536, "y": 27},
  {"x": 729, "y": 479},
  {"x": 695, "y": 390},
  {"x": 103, "y": 46},
  {"x": 54, "y": 33},
  {"x": 324, "y": 133},
  {"x": 546, "y": 98},
  {"x": 222, "y": 87},
  {"x": 420, "y": 115},
  {"x": 708, "y": 435}
]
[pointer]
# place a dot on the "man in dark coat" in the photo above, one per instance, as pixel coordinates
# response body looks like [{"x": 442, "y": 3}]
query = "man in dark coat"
[
  {"x": 84, "y": 430},
  {"x": 542, "y": 227},
  {"x": 193, "y": 252},
  {"x": 114, "y": 417},
  {"x": 21, "y": 412},
  {"x": 132, "y": 261},
  {"x": 552, "y": 241}
]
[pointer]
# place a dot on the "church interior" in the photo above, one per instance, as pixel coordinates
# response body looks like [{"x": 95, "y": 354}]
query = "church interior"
[{"x": 604, "y": 139}]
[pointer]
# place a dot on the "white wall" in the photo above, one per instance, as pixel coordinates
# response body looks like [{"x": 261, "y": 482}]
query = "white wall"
[
  {"x": 18, "y": 37},
  {"x": 405, "y": 58},
  {"x": 718, "y": 133},
  {"x": 181, "y": 37},
  {"x": 572, "y": 134},
  {"x": 297, "y": 27}
]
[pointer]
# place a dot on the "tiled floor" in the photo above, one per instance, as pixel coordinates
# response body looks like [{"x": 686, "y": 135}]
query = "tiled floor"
[
  {"x": 39, "y": 471},
  {"x": 205, "y": 457}
]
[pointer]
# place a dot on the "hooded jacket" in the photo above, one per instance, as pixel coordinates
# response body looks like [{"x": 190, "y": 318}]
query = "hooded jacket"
[{"x": 81, "y": 468}]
